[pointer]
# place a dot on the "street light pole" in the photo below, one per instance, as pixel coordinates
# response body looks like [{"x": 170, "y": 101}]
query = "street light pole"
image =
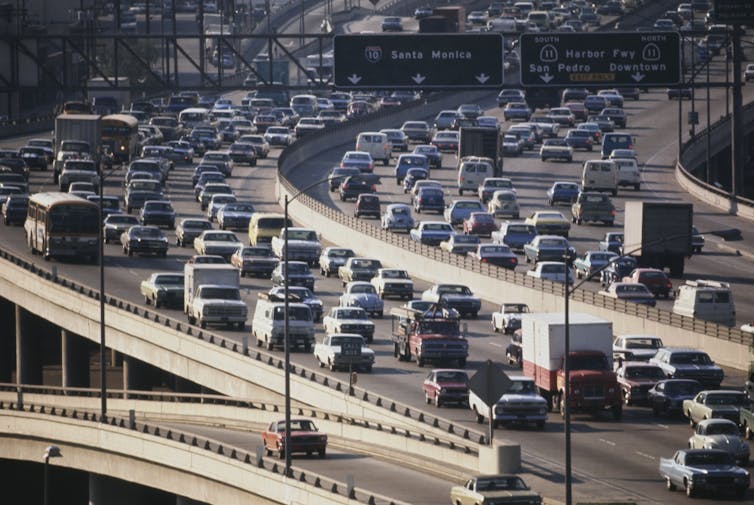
[
  {"x": 102, "y": 351},
  {"x": 52, "y": 451}
]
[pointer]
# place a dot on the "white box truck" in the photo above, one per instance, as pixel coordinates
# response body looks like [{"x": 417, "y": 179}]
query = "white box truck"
[
  {"x": 76, "y": 136},
  {"x": 593, "y": 384},
  {"x": 212, "y": 295}
]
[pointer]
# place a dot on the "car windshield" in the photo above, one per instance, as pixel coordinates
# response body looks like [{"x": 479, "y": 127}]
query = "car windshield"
[
  {"x": 516, "y": 309},
  {"x": 687, "y": 388},
  {"x": 364, "y": 264},
  {"x": 643, "y": 343},
  {"x": 351, "y": 314},
  {"x": 551, "y": 242},
  {"x": 340, "y": 253},
  {"x": 551, "y": 215},
  {"x": 588, "y": 362},
  {"x": 690, "y": 358},
  {"x": 644, "y": 372},
  {"x": 263, "y": 252},
  {"x": 221, "y": 237},
  {"x": 298, "y": 268},
  {"x": 722, "y": 429},
  {"x": 197, "y": 225},
  {"x": 308, "y": 235},
  {"x": 362, "y": 288},
  {"x": 702, "y": 458},
  {"x": 122, "y": 220},
  {"x": 454, "y": 289},
  {"x": 221, "y": 293},
  {"x": 553, "y": 269},
  {"x": 466, "y": 239},
  {"x": 451, "y": 376},
  {"x": 147, "y": 232},
  {"x": 500, "y": 483},
  {"x": 164, "y": 280},
  {"x": 394, "y": 274},
  {"x": 727, "y": 399}
]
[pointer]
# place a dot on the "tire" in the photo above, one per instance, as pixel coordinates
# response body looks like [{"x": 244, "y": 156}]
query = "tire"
[
  {"x": 427, "y": 399},
  {"x": 690, "y": 492},
  {"x": 669, "y": 484},
  {"x": 748, "y": 432},
  {"x": 691, "y": 421},
  {"x": 322, "y": 453},
  {"x": 655, "y": 410},
  {"x": 438, "y": 403},
  {"x": 617, "y": 412},
  {"x": 479, "y": 417}
]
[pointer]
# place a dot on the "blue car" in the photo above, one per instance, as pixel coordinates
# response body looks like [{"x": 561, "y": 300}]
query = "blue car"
[
  {"x": 429, "y": 198},
  {"x": 580, "y": 139},
  {"x": 514, "y": 234},
  {"x": 407, "y": 161},
  {"x": 562, "y": 192},
  {"x": 431, "y": 232},
  {"x": 413, "y": 175}
]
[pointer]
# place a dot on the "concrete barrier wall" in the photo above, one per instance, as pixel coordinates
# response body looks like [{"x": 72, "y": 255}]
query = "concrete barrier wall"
[{"x": 172, "y": 466}]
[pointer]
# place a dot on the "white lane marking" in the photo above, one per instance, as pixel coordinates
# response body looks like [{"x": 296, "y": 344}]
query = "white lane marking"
[
  {"x": 663, "y": 426},
  {"x": 496, "y": 344},
  {"x": 608, "y": 442},
  {"x": 645, "y": 455}
]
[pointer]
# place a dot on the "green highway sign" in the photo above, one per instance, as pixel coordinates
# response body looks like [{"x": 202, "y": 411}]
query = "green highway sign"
[
  {"x": 601, "y": 59},
  {"x": 418, "y": 61}
]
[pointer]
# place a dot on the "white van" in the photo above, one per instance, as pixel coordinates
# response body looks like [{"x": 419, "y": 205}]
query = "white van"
[
  {"x": 472, "y": 171},
  {"x": 268, "y": 325},
  {"x": 188, "y": 118},
  {"x": 600, "y": 175},
  {"x": 376, "y": 144},
  {"x": 304, "y": 105},
  {"x": 628, "y": 172},
  {"x": 501, "y": 25},
  {"x": 706, "y": 300}
]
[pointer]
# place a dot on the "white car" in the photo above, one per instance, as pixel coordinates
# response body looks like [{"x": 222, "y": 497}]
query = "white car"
[
  {"x": 508, "y": 318},
  {"x": 393, "y": 282},
  {"x": 349, "y": 320},
  {"x": 636, "y": 347},
  {"x": 554, "y": 271},
  {"x": 720, "y": 434},
  {"x": 345, "y": 351}
]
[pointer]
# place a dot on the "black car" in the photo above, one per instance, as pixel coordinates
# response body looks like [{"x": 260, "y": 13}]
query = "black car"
[
  {"x": 617, "y": 270},
  {"x": 666, "y": 397},
  {"x": 158, "y": 213},
  {"x": 34, "y": 157},
  {"x": 115, "y": 224},
  {"x": 298, "y": 275},
  {"x": 144, "y": 240},
  {"x": 367, "y": 204},
  {"x": 14, "y": 209},
  {"x": 354, "y": 186},
  {"x": 110, "y": 204}
]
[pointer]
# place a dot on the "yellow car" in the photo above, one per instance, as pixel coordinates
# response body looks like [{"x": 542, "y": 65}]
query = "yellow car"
[{"x": 549, "y": 222}]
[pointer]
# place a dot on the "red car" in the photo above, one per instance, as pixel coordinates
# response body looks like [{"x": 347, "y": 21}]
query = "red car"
[
  {"x": 656, "y": 280},
  {"x": 446, "y": 385},
  {"x": 304, "y": 438},
  {"x": 479, "y": 223}
]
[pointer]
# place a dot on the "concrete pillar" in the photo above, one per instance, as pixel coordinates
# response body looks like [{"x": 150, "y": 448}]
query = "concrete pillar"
[
  {"x": 75, "y": 360},
  {"x": 28, "y": 349},
  {"x": 503, "y": 457},
  {"x": 104, "y": 490},
  {"x": 7, "y": 340}
]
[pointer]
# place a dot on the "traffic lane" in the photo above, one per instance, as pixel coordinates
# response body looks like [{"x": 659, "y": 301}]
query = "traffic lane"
[{"x": 369, "y": 472}]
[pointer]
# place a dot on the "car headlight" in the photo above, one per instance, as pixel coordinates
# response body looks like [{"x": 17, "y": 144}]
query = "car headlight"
[{"x": 611, "y": 390}]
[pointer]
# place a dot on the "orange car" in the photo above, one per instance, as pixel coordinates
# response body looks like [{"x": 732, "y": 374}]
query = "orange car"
[{"x": 304, "y": 438}]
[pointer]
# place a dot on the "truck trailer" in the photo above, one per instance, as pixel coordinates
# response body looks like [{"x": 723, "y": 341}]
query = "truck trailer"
[{"x": 482, "y": 141}]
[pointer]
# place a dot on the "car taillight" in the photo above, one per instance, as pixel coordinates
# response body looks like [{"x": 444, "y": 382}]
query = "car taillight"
[
  {"x": 612, "y": 212},
  {"x": 374, "y": 187},
  {"x": 484, "y": 260}
]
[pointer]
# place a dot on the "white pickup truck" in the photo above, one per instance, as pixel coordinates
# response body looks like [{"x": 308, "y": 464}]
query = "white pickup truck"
[
  {"x": 344, "y": 351},
  {"x": 521, "y": 404},
  {"x": 303, "y": 245}
]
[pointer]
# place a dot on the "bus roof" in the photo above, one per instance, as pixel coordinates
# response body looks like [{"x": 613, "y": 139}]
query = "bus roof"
[
  {"x": 122, "y": 118},
  {"x": 54, "y": 198}
]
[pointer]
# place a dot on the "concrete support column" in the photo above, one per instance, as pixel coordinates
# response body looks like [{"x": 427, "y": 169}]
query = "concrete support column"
[
  {"x": 7, "y": 340},
  {"x": 28, "y": 349},
  {"x": 503, "y": 457},
  {"x": 75, "y": 360}
]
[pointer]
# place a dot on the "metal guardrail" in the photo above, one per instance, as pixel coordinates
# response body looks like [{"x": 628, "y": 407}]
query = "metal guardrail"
[
  {"x": 207, "y": 444},
  {"x": 456, "y": 434}
]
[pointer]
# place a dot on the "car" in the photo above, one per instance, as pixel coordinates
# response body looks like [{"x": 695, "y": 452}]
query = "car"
[
  {"x": 636, "y": 378},
  {"x": 255, "y": 261},
  {"x": 593, "y": 128},
  {"x": 413, "y": 175},
  {"x": 304, "y": 437},
  {"x": 551, "y": 222},
  {"x": 14, "y": 209},
  {"x": 367, "y": 204},
  {"x": 617, "y": 269},
  {"x": 429, "y": 198},
  {"x": 721, "y": 434},
  {"x": 115, "y": 224},
  {"x": 408, "y": 161},
  {"x": 460, "y": 244},
  {"x": 234, "y": 215},
  {"x": 432, "y": 153},
  {"x": 278, "y": 136},
  {"x": 516, "y": 111},
  {"x": 657, "y": 281},
  {"x": 495, "y": 254},
  {"x": 358, "y": 269},
  {"x": 590, "y": 263},
  {"x": 549, "y": 248},
  {"x": 163, "y": 289},
  {"x": 140, "y": 239},
  {"x": 461, "y": 209},
  {"x": 515, "y": 234},
  {"x": 553, "y": 271},
  {"x": 679, "y": 93},
  {"x": 697, "y": 470},
  {"x": 297, "y": 274},
  {"x": 595, "y": 103},
  {"x": 612, "y": 241},
  {"x": 243, "y": 152},
  {"x": 362, "y": 294},
  {"x": 635, "y": 347},
  {"x": 444, "y": 119},
  {"x": 393, "y": 282},
  {"x": 443, "y": 386},
  {"x": 446, "y": 141},
  {"x": 592, "y": 206},
  {"x": 338, "y": 174},
  {"x": 431, "y": 232},
  {"x": 689, "y": 363},
  {"x": 218, "y": 242},
  {"x": 469, "y": 110},
  {"x": 504, "y": 203},
  {"x": 299, "y": 294},
  {"x": 456, "y": 296},
  {"x": 396, "y": 138},
  {"x": 417, "y": 131},
  {"x": 719, "y": 404},
  {"x": 497, "y": 489},
  {"x": 354, "y": 186},
  {"x": 332, "y": 258},
  {"x": 749, "y": 72},
  {"x": 510, "y": 95},
  {"x": 616, "y": 115},
  {"x": 491, "y": 184},
  {"x": 157, "y": 213},
  {"x": 305, "y": 126},
  {"x": 422, "y": 12},
  {"x": 562, "y": 192},
  {"x": 479, "y": 223},
  {"x": 579, "y": 139},
  {"x": 397, "y": 216},
  {"x": 512, "y": 145},
  {"x": 508, "y": 319},
  {"x": 349, "y": 320},
  {"x": 358, "y": 159},
  {"x": 630, "y": 292},
  {"x": 190, "y": 228},
  {"x": 392, "y": 24},
  {"x": 563, "y": 116},
  {"x": 210, "y": 189},
  {"x": 550, "y": 128},
  {"x": 524, "y": 134},
  {"x": 667, "y": 396},
  {"x": 346, "y": 351},
  {"x": 556, "y": 149}
]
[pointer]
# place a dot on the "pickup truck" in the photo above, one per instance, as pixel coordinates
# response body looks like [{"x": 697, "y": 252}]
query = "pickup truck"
[
  {"x": 303, "y": 245},
  {"x": 393, "y": 282},
  {"x": 522, "y": 404},
  {"x": 349, "y": 320},
  {"x": 456, "y": 296},
  {"x": 697, "y": 470},
  {"x": 721, "y": 403},
  {"x": 344, "y": 351}
]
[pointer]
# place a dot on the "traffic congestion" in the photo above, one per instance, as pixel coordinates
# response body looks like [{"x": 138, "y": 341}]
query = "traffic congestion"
[{"x": 192, "y": 188}]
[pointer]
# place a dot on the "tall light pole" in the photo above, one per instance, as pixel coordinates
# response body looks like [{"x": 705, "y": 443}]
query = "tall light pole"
[
  {"x": 52, "y": 451},
  {"x": 729, "y": 234},
  {"x": 286, "y": 341}
]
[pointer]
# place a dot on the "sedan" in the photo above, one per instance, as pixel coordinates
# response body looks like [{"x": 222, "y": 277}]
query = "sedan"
[
  {"x": 392, "y": 24},
  {"x": 397, "y": 216},
  {"x": 459, "y": 210},
  {"x": 221, "y": 243},
  {"x": 630, "y": 292},
  {"x": 255, "y": 261},
  {"x": 163, "y": 289},
  {"x": 580, "y": 139},
  {"x": 591, "y": 262},
  {"x": 158, "y": 213},
  {"x": 562, "y": 115},
  {"x": 491, "y": 184},
  {"x": 358, "y": 159},
  {"x": 417, "y": 131},
  {"x": 432, "y": 153},
  {"x": 549, "y": 222},
  {"x": 495, "y": 254},
  {"x": 278, "y": 136},
  {"x": 443, "y": 386},
  {"x": 115, "y": 224},
  {"x": 479, "y": 223},
  {"x": 188, "y": 229},
  {"x": 446, "y": 141},
  {"x": 562, "y": 192},
  {"x": 517, "y": 111},
  {"x": 667, "y": 396},
  {"x": 355, "y": 185},
  {"x": 144, "y": 240},
  {"x": 504, "y": 203},
  {"x": 431, "y": 232},
  {"x": 556, "y": 149},
  {"x": 657, "y": 281},
  {"x": 304, "y": 437}
]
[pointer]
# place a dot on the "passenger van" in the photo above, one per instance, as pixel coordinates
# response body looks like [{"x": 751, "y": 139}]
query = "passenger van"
[
  {"x": 304, "y": 105},
  {"x": 600, "y": 175},
  {"x": 472, "y": 171},
  {"x": 615, "y": 140},
  {"x": 628, "y": 172},
  {"x": 268, "y": 325},
  {"x": 265, "y": 225},
  {"x": 706, "y": 300},
  {"x": 376, "y": 144},
  {"x": 192, "y": 116}
]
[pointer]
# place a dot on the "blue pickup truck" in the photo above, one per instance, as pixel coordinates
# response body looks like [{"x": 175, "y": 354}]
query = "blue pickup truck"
[{"x": 699, "y": 470}]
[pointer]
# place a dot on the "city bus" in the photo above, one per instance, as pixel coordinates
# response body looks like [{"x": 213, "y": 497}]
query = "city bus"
[
  {"x": 62, "y": 225},
  {"x": 120, "y": 133}
]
